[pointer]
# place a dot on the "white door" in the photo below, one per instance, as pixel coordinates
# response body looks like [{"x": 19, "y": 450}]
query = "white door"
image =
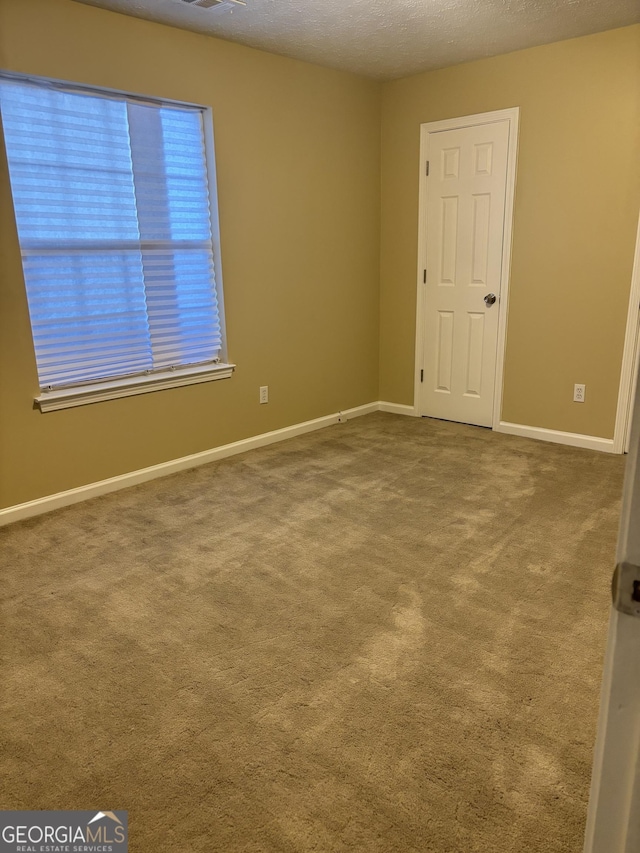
[
  {"x": 463, "y": 265},
  {"x": 613, "y": 822}
]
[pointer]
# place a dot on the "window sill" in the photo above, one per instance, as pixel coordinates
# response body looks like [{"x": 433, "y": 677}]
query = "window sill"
[{"x": 67, "y": 398}]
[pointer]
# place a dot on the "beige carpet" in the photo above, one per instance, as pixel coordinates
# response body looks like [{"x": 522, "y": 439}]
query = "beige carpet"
[{"x": 384, "y": 637}]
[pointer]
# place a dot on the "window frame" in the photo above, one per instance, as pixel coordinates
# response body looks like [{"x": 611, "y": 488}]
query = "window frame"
[{"x": 125, "y": 386}]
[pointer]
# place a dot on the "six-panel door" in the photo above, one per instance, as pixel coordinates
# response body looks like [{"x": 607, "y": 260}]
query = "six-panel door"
[{"x": 465, "y": 230}]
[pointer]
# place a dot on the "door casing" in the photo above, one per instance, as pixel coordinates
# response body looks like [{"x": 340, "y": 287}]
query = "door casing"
[
  {"x": 630, "y": 357},
  {"x": 512, "y": 115}
]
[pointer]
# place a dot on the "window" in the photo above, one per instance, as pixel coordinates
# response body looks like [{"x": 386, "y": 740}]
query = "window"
[{"x": 113, "y": 199}]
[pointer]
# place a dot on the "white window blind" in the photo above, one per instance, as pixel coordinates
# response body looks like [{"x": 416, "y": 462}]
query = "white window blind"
[{"x": 111, "y": 196}]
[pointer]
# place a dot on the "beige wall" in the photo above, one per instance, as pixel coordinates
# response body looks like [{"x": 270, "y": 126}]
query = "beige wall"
[
  {"x": 576, "y": 213},
  {"x": 313, "y": 297},
  {"x": 298, "y": 176}
]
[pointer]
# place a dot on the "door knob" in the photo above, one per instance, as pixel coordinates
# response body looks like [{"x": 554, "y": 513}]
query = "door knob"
[{"x": 489, "y": 299}]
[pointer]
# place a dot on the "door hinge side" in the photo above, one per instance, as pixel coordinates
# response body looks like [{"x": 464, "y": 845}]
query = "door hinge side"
[{"x": 427, "y": 168}]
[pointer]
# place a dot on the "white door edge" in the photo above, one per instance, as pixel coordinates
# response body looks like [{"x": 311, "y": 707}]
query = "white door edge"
[
  {"x": 612, "y": 820},
  {"x": 512, "y": 114},
  {"x": 629, "y": 372}
]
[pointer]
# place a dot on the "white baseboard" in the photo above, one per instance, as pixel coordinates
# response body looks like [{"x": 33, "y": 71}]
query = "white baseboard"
[
  {"x": 357, "y": 412},
  {"x": 574, "y": 439},
  {"x": 397, "y": 408},
  {"x": 123, "y": 481},
  {"x": 133, "y": 478}
]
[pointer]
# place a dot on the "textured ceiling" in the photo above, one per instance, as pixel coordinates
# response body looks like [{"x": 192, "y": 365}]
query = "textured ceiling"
[{"x": 385, "y": 39}]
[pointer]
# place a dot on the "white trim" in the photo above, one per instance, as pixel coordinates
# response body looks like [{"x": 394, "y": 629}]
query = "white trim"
[
  {"x": 356, "y": 412},
  {"x": 123, "y": 481},
  {"x": 142, "y": 475},
  {"x": 82, "y": 395},
  {"x": 512, "y": 115},
  {"x": 629, "y": 372},
  {"x": 632, "y": 393},
  {"x": 397, "y": 409},
  {"x": 471, "y": 120},
  {"x": 574, "y": 439}
]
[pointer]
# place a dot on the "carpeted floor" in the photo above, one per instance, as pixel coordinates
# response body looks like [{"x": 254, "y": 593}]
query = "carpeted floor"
[{"x": 385, "y": 636}]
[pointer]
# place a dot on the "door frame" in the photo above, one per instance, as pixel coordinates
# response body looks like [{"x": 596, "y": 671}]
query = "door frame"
[
  {"x": 511, "y": 114},
  {"x": 630, "y": 356}
]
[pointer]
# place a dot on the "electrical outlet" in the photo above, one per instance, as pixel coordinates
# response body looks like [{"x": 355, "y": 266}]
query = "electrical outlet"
[
  {"x": 264, "y": 393},
  {"x": 579, "y": 392}
]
